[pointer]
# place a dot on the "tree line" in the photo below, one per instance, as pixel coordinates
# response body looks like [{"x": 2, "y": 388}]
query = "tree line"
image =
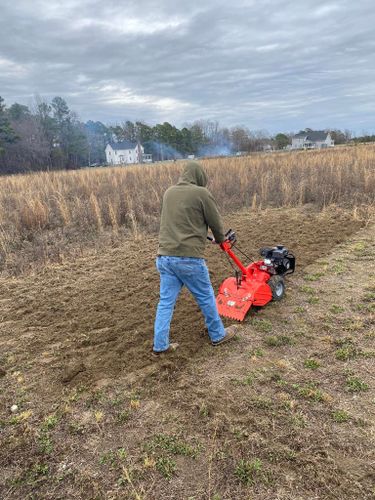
[{"x": 50, "y": 136}]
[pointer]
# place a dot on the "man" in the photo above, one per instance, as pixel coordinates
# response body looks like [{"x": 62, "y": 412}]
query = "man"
[{"x": 187, "y": 212}]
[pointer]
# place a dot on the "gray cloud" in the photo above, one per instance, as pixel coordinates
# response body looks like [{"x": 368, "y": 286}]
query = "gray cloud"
[{"x": 265, "y": 64}]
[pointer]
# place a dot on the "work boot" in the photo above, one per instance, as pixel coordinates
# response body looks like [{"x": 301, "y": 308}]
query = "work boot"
[
  {"x": 172, "y": 348},
  {"x": 230, "y": 332}
]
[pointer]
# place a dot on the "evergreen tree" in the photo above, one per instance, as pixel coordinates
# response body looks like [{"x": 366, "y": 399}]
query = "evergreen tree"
[{"x": 7, "y": 134}]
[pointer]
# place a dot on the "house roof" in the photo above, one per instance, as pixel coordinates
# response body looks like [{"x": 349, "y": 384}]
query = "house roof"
[
  {"x": 123, "y": 145},
  {"x": 314, "y": 135}
]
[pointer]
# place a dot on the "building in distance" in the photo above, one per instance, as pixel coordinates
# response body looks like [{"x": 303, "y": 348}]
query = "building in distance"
[
  {"x": 312, "y": 139},
  {"x": 126, "y": 153}
]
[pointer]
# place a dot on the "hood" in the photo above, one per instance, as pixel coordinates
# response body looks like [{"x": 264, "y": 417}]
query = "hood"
[{"x": 193, "y": 173}]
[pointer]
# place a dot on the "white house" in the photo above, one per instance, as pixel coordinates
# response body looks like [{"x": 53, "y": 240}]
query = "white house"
[
  {"x": 125, "y": 152},
  {"x": 311, "y": 139}
]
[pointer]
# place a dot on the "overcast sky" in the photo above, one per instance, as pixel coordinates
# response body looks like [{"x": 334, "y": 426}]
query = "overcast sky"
[{"x": 266, "y": 64}]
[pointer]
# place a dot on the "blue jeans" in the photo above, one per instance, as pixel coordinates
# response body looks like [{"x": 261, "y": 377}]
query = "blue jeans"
[{"x": 175, "y": 272}]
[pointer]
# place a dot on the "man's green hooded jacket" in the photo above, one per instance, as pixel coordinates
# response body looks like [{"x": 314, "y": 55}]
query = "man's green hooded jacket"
[{"x": 188, "y": 210}]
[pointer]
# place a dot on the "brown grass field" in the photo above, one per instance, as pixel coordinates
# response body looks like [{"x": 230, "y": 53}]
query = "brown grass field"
[
  {"x": 284, "y": 412},
  {"x": 48, "y": 217}
]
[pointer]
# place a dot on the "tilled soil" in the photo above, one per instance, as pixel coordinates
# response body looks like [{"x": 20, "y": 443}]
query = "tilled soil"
[
  {"x": 98, "y": 417},
  {"x": 91, "y": 320}
]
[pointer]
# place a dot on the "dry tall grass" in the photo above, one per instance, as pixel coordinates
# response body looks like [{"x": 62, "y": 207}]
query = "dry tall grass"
[{"x": 42, "y": 214}]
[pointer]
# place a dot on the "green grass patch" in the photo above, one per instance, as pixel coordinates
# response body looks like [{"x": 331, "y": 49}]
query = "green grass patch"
[
  {"x": 368, "y": 354},
  {"x": 360, "y": 248},
  {"x": 335, "y": 309},
  {"x": 256, "y": 353},
  {"x": 172, "y": 444},
  {"x": 108, "y": 458},
  {"x": 355, "y": 384},
  {"x": 113, "y": 458},
  {"x": 311, "y": 363},
  {"x": 32, "y": 476},
  {"x": 369, "y": 297},
  {"x": 204, "y": 411},
  {"x": 278, "y": 340},
  {"x": 45, "y": 443},
  {"x": 346, "y": 352},
  {"x": 123, "y": 416},
  {"x": 313, "y": 277},
  {"x": 248, "y": 380},
  {"x": 50, "y": 422},
  {"x": 340, "y": 416},
  {"x": 310, "y": 392},
  {"x": 338, "y": 268},
  {"x": 248, "y": 471},
  {"x": 166, "y": 466},
  {"x": 313, "y": 300},
  {"x": 261, "y": 403},
  {"x": 307, "y": 289}
]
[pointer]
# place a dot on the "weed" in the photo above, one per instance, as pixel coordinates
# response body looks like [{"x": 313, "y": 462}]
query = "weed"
[
  {"x": 298, "y": 420},
  {"x": 369, "y": 297},
  {"x": 338, "y": 268},
  {"x": 334, "y": 309},
  {"x": 248, "y": 471},
  {"x": 345, "y": 353},
  {"x": 148, "y": 462},
  {"x": 127, "y": 477},
  {"x": 45, "y": 443},
  {"x": 108, "y": 458},
  {"x": 123, "y": 416},
  {"x": 313, "y": 277},
  {"x": 204, "y": 410},
  {"x": 76, "y": 428},
  {"x": 50, "y": 422},
  {"x": 307, "y": 289},
  {"x": 21, "y": 417},
  {"x": 40, "y": 470},
  {"x": 99, "y": 415},
  {"x": 310, "y": 391},
  {"x": 299, "y": 310},
  {"x": 121, "y": 453},
  {"x": 313, "y": 300},
  {"x": 166, "y": 466},
  {"x": 355, "y": 384},
  {"x": 311, "y": 363},
  {"x": 174, "y": 445},
  {"x": 261, "y": 403},
  {"x": 256, "y": 353},
  {"x": 368, "y": 354},
  {"x": 248, "y": 380},
  {"x": 340, "y": 416},
  {"x": 277, "y": 341},
  {"x": 353, "y": 325},
  {"x": 359, "y": 248},
  {"x": 96, "y": 396},
  {"x": 343, "y": 342},
  {"x": 135, "y": 404},
  {"x": 117, "y": 401}
]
